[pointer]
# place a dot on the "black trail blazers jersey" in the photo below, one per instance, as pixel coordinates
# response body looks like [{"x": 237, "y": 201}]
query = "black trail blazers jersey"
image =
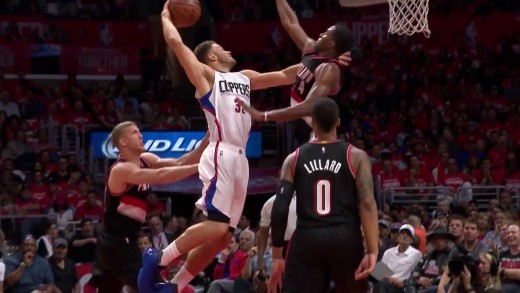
[
  {"x": 125, "y": 212},
  {"x": 305, "y": 75},
  {"x": 325, "y": 185}
]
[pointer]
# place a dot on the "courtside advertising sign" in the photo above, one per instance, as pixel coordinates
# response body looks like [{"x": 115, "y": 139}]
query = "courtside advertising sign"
[{"x": 167, "y": 144}]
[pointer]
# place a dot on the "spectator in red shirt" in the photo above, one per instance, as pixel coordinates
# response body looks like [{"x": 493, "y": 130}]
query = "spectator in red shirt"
[
  {"x": 90, "y": 209},
  {"x": 472, "y": 170},
  {"x": 155, "y": 207},
  {"x": 417, "y": 176},
  {"x": 27, "y": 206},
  {"x": 511, "y": 173},
  {"x": 453, "y": 178},
  {"x": 230, "y": 263},
  {"x": 498, "y": 154},
  {"x": 40, "y": 190},
  {"x": 389, "y": 178},
  {"x": 79, "y": 116},
  {"x": 109, "y": 116}
]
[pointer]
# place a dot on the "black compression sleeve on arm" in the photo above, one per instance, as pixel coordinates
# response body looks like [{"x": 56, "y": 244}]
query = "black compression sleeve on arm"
[{"x": 280, "y": 212}]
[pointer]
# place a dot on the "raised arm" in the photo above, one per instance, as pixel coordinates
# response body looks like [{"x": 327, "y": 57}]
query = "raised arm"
[
  {"x": 291, "y": 24},
  {"x": 128, "y": 173},
  {"x": 192, "y": 157},
  {"x": 197, "y": 72},
  {"x": 327, "y": 79},
  {"x": 260, "y": 81}
]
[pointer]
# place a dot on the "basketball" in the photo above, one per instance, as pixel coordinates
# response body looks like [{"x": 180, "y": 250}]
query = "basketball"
[{"x": 184, "y": 13}]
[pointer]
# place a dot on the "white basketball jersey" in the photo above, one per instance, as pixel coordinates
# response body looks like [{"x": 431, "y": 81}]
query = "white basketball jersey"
[{"x": 227, "y": 121}]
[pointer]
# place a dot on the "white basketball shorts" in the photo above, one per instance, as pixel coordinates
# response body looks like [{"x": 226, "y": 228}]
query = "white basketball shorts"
[{"x": 224, "y": 171}]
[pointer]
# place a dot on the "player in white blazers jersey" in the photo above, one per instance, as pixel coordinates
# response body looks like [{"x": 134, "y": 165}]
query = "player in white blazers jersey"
[{"x": 223, "y": 167}]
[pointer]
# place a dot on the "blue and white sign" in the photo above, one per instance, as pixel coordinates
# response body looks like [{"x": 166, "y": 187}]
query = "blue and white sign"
[{"x": 167, "y": 144}]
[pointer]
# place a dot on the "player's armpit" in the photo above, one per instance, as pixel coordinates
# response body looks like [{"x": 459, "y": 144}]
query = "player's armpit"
[
  {"x": 128, "y": 173},
  {"x": 366, "y": 200},
  {"x": 197, "y": 72},
  {"x": 283, "y": 77}
]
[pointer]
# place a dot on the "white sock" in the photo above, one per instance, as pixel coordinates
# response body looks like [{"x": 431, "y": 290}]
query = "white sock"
[
  {"x": 182, "y": 278},
  {"x": 169, "y": 254}
]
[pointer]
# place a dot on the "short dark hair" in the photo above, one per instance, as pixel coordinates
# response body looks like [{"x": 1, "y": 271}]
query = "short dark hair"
[
  {"x": 86, "y": 220},
  {"x": 343, "y": 38},
  {"x": 144, "y": 235},
  {"x": 470, "y": 220},
  {"x": 202, "y": 50},
  {"x": 325, "y": 113}
]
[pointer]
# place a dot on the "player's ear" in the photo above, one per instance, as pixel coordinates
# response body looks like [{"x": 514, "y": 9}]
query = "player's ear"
[
  {"x": 122, "y": 141},
  {"x": 331, "y": 44},
  {"x": 338, "y": 123},
  {"x": 212, "y": 57}
]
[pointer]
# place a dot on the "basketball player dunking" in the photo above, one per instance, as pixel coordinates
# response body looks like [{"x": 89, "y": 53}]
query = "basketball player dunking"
[
  {"x": 118, "y": 258},
  {"x": 335, "y": 196},
  {"x": 224, "y": 169},
  {"x": 319, "y": 73}
]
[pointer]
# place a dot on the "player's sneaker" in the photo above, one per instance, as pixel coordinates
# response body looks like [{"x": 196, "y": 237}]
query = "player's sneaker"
[{"x": 149, "y": 271}]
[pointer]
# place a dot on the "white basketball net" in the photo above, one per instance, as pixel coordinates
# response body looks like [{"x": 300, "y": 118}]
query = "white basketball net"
[{"x": 408, "y": 17}]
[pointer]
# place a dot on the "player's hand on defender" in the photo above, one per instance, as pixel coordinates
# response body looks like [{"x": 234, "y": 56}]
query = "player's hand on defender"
[
  {"x": 345, "y": 59},
  {"x": 277, "y": 270},
  {"x": 255, "y": 114},
  {"x": 366, "y": 267}
]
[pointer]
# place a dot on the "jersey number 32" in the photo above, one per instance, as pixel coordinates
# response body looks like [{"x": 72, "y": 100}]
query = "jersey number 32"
[
  {"x": 238, "y": 107},
  {"x": 322, "y": 197}
]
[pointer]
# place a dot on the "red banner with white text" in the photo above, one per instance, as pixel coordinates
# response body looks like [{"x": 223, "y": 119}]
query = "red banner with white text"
[
  {"x": 84, "y": 60},
  {"x": 259, "y": 37}
]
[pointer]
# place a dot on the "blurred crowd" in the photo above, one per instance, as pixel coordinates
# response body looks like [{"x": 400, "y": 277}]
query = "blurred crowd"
[{"x": 436, "y": 122}]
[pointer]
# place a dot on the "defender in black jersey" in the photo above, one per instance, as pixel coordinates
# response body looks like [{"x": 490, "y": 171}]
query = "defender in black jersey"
[
  {"x": 335, "y": 197},
  {"x": 118, "y": 259},
  {"x": 319, "y": 74}
]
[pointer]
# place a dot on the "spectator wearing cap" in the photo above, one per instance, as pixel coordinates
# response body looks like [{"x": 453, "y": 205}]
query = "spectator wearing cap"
[
  {"x": 427, "y": 273},
  {"x": 401, "y": 260},
  {"x": 63, "y": 268},
  {"x": 25, "y": 271},
  {"x": 394, "y": 234}
]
